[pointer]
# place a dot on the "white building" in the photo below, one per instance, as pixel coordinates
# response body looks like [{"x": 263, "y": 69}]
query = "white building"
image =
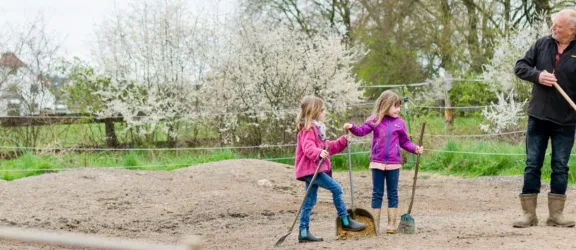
[{"x": 22, "y": 91}]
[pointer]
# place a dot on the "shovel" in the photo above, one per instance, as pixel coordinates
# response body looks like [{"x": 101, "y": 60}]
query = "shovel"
[
  {"x": 358, "y": 214},
  {"x": 407, "y": 224},
  {"x": 300, "y": 209}
]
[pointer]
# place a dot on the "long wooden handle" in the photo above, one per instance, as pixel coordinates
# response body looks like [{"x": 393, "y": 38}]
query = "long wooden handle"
[
  {"x": 565, "y": 96},
  {"x": 416, "y": 169}
]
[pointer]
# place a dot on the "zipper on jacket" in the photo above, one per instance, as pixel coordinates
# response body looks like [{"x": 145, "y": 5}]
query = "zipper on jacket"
[{"x": 387, "y": 142}]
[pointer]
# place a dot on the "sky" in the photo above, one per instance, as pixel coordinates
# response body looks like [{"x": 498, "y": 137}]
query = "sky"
[{"x": 72, "y": 22}]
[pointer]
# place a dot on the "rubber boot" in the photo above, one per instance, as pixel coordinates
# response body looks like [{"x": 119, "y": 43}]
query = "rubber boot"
[
  {"x": 306, "y": 236},
  {"x": 391, "y": 228},
  {"x": 556, "y": 204},
  {"x": 528, "y": 202},
  {"x": 349, "y": 224},
  {"x": 377, "y": 220}
]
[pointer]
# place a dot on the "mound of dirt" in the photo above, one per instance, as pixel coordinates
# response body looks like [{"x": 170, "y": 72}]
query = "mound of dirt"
[{"x": 249, "y": 204}]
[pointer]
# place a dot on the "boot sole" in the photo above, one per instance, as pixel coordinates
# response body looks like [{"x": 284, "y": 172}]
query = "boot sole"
[
  {"x": 353, "y": 229},
  {"x": 305, "y": 241},
  {"x": 533, "y": 224},
  {"x": 552, "y": 224}
]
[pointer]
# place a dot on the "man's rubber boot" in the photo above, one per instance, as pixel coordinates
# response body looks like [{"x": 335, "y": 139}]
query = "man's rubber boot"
[
  {"x": 391, "y": 228},
  {"x": 556, "y": 204},
  {"x": 377, "y": 220},
  {"x": 528, "y": 202},
  {"x": 349, "y": 224},
  {"x": 306, "y": 236}
]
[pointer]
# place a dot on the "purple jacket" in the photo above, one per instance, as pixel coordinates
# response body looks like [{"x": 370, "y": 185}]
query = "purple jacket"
[{"x": 389, "y": 136}]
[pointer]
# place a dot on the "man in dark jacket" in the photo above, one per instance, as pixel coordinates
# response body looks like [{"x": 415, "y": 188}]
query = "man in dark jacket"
[{"x": 552, "y": 60}]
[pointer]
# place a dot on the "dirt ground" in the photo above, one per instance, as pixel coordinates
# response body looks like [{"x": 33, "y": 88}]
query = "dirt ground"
[{"x": 224, "y": 203}]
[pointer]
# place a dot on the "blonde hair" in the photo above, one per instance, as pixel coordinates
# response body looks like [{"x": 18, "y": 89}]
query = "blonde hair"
[
  {"x": 383, "y": 104},
  {"x": 310, "y": 109}
]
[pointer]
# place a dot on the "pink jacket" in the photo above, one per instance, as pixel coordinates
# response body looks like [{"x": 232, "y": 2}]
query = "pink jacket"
[{"x": 308, "y": 150}]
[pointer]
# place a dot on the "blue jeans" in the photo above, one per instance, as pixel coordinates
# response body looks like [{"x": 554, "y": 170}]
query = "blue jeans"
[
  {"x": 537, "y": 135},
  {"x": 391, "y": 178},
  {"x": 325, "y": 181}
]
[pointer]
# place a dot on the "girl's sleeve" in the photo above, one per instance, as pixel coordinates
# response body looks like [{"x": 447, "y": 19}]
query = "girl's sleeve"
[
  {"x": 337, "y": 146},
  {"x": 363, "y": 130},
  {"x": 404, "y": 140},
  {"x": 309, "y": 145}
]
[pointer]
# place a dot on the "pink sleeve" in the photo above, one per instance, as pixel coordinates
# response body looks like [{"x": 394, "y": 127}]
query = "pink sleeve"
[{"x": 337, "y": 146}]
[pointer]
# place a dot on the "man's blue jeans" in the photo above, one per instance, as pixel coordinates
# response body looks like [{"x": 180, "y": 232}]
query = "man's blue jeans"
[
  {"x": 390, "y": 177},
  {"x": 325, "y": 181},
  {"x": 537, "y": 135}
]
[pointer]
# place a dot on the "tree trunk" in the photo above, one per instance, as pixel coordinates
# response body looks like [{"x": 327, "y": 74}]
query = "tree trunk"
[
  {"x": 507, "y": 9},
  {"x": 448, "y": 114},
  {"x": 472, "y": 38},
  {"x": 111, "y": 139}
]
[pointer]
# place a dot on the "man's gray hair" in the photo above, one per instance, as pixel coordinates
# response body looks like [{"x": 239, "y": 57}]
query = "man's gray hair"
[{"x": 570, "y": 15}]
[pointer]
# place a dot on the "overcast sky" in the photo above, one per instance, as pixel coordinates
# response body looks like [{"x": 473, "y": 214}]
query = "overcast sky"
[{"x": 73, "y": 21}]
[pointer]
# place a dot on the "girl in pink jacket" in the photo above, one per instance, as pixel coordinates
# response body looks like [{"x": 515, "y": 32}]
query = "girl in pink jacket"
[{"x": 309, "y": 150}]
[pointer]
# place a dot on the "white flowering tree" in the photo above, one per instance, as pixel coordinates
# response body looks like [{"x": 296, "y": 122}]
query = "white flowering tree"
[
  {"x": 499, "y": 74},
  {"x": 502, "y": 115},
  {"x": 153, "y": 54},
  {"x": 263, "y": 73}
]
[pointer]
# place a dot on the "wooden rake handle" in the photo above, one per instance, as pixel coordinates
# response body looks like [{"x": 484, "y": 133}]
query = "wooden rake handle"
[
  {"x": 416, "y": 168},
  {"x": 565, "y": 96}
]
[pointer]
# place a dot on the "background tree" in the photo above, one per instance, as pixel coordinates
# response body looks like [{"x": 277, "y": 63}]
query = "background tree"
[
  {"x": 271, "y": 68},
  {"x": 153, "y": 54}
]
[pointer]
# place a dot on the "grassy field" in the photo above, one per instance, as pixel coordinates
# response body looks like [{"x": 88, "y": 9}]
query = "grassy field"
[
  {"x": 462, "y": 158},
  {"x": 459, "y": 155}
]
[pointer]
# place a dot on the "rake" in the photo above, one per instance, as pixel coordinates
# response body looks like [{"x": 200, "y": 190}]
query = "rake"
[{"x": 279, "y": 242}]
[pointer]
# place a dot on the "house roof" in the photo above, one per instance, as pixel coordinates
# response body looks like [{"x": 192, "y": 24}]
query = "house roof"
[{"x": 10, "y": 60}]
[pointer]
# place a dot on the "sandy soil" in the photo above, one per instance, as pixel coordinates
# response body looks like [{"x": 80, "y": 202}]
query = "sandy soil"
[{"x": 225, "y": 204}]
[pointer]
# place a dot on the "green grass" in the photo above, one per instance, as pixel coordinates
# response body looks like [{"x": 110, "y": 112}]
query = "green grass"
[
  {"x": 470, "y": 164},
  {"x": 479, "y": 162},
  {"x": 30, "y": 164}
]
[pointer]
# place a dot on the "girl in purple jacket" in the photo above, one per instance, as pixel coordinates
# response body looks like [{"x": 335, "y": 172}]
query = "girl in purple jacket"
[
  {"x": 385, "y": 160},
  {"x": 310, "y": 148}
]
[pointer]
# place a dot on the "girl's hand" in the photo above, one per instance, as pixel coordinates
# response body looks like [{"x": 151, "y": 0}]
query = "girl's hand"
[
  {"x": 347, "y": 137},
  {"x": 419, "y": 150},
  {"x": 323, "y": 154},
  {"x": 347, "y": 126}
]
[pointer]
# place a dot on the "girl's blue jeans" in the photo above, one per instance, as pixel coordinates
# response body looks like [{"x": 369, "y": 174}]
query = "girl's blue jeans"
[
  {"x": 390, "y": 177},
  {"x": 325, "y": 181}
]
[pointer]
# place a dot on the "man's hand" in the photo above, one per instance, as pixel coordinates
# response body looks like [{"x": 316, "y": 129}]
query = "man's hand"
[{"x": 547, "y": 79}]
